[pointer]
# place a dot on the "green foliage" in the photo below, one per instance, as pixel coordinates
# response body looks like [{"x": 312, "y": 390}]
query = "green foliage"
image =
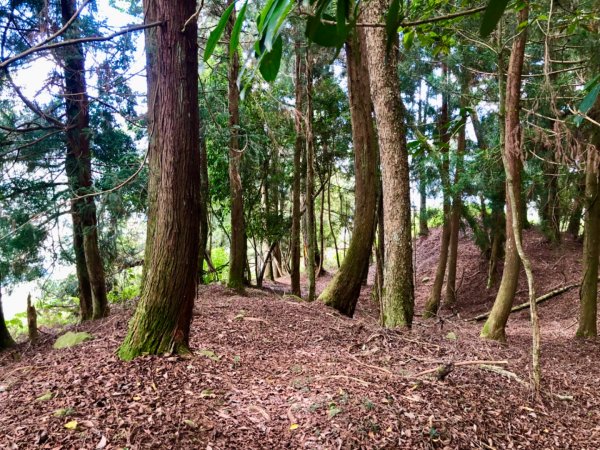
[
  {"x": 71, "y": 339},
  {"x": 215, "y": 35},
  {"x": 491, "y": 16},
  {"x": 126, "y": 286}
]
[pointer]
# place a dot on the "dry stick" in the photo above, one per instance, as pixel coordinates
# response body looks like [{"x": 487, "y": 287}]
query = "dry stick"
[
  {"x": 538, "y": 300},
  {"x": 457, "y": 364}
]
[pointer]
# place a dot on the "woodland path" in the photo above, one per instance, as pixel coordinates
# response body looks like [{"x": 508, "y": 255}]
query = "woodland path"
[{"x": 270, "y": 372}]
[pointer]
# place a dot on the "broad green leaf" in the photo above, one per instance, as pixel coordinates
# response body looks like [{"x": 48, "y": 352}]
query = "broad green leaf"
[
  {"x": 491, "y": 16},
  {"x": 234, "y": 42},
  {"x": 324, "y": 34},
  {"x": 216, "y": 34},
  {"x": 408, "y": 38},
  {"x": 587, "y": 103},
  {"x": 271, "y": 60},
  {"x": 341, "y": 14},
  {"x": 281, "y": 9},
  {"x": 392, "y": 22}
]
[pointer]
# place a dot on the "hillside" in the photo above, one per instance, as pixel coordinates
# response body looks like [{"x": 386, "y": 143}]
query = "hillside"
[{"x": 269, "y": 372}]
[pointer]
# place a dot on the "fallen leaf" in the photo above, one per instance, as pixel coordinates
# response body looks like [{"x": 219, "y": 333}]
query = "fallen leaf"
[
  {"x": 294, "y": 426},
  {"x": 190, "y": 423},
  {"x": 45, "y": 397},
  {"x": 71, "y": 425},
  {"x": 102, "y": 444},
  {"x": 209, "y": 354}
]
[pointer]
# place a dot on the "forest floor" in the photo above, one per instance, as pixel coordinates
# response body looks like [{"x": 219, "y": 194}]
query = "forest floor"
[{"x": 271, "y": 372}]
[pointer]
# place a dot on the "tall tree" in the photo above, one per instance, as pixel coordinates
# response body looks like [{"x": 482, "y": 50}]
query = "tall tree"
[
  {"x": 397, "y": 300},
  {"x": 79, "y": 172},
  {"x": 237, "y": 251},
  {"x": 161, "y": 322},
  {"x": 344, "y": 289},
  {"x": 494, "y": 327},
  {"x": 311, "y": 230}
]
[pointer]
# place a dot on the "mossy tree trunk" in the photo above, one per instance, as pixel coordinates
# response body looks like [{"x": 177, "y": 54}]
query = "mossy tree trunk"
[
  {"x": 311, "y": 232},
  {"x": 237, "y": 251},
  {"x": 588, "y": 294},
  {"x": 494, "y": 327},
  {"x": 343, "y": 290},
  {"x": 6, "y": 340},
  {"x": 79, "y": 172},
  {"x": 298, "y": 149},
  {"x": 161, "y": 322},
  {"x": 83, "y": 279},
  {"x": 434, "y": 299},
  {"x": 397, "y": 299}
]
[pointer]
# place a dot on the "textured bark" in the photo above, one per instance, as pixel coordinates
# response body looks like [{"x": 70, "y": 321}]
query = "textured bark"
[
  {"x": 344, "y": 289},
  {"x": 298, "y": 147},
  {"x": 423, "y": 226},
  {"x": 398, "y": 290},
  {"x": 85, "y": 291},
  {"x": 433, "y": 301},
  {"x": 6, "y": 341},
  {"x": 32, "y": 328},
  {"x": 574, "y": 225},
  {"x": 551, "y": 210},
  {"x": 494, "y": 327},
  {"x": 237, "y": 251},
  {"x": 457, "y": 197},
  {"x": 588, "y": 294},
  {"x": 161, "y": 322},
  {"x": 311, "y": 232},
  {"x": 79, "y": 169}
]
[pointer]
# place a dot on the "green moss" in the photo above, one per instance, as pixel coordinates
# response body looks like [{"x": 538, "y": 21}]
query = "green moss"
[{"x": 71, "y": 339}]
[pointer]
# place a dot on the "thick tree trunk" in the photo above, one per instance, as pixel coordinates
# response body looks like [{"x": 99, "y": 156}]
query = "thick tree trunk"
[
  {"x": 457, "y": 197},
  {"x": 85, "y": 291},
  {"x": 79, "y": 170},
  {"x": 6, "y": 340},
  {"x": 494, "y": 327},
  {"x": 237, "y": 251},
  {"x": 344, "y": 289},
  {"x": 161, "y": 322},
  {"x": 398, "y": 289},
  {"x": 433, "y": 302},
  {"x": 298, "y": 147},
  {"x": 310, "y": 229},
  {"x": 588, "y": 294}
]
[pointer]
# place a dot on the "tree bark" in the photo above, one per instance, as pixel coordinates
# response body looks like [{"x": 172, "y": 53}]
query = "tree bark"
[
  {"x": 398, "y": 289},
  {"x": 237, "y": 252},
  {"x": 588, "y": 294},
  {"x": 161, "y": 322},
  {"x": 6, "y": 340},
  {"x": 311, "y": 231},
  {"x": 298, "y": 147},
  {"x": 343, "y": 290},
  {"x": 433, "y": 302},
  {"x": 79, "y": 171},
  {"x": 494, "y": 327},
  {"x": 85, "y": 291}
]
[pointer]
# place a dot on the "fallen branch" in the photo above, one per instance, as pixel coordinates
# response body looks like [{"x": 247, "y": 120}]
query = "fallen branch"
[
  {"x": 539, "y": 300},
  {"x": 445, "y": 369}
]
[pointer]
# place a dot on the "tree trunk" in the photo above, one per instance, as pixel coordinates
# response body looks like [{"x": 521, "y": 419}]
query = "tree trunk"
[
  {"x": 311, "y": 231},
  {"x": 298, "y": 146},
  {"x": 79, "y": 168},
  {"x": 423, "y": 227},
  {"x": 494, "y": 327},
  {"x": 85, "y": 291},
  {"x": 457, "y": 197},
  {"x": 398, "y": 289},
  {"x": 237, "y": 251},
  {"x": 344, "y": 289},
  {"x": 574, "y": 225},
  {"x": 433, "y": 302},
  {"x": 161, "y": 322},
  {"x": 588, "y": 294},
  {"x": 32, "y": 328},
  {"x": 331, "y": 230},
  {"x": 6, "y": 340}
]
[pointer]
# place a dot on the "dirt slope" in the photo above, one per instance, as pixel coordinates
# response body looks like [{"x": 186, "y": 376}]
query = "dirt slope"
[{"x": 269, "y": 372}]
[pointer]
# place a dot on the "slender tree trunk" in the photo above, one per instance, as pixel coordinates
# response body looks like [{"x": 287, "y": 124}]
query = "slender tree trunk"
[
  {"x": 343, "y": 291},
  {"x": 574, "y": 225},
  {"x": 321, "y": 270},
  {"x": 79, "y": 167},
  {"x": 310, "y": 184},
  {"x": 298, "y": 146},
  {"x": 588, "y": 294},
  {"x": 552, "y": 207},
  {"x": 6, "y": 339},
  {"x": 331, "y": 230},
  {"x": 494, "y": 327},
  {"x": 457, "y": 197},
  {"x": 161, "y": 322},
  {"x": 433, "y": 302},
  {"x": 203, "y": 211},
  {"x": 237, "y": 251},
  {"x": 398, "y": 289},
  {"x": 423, "y": 227}
]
